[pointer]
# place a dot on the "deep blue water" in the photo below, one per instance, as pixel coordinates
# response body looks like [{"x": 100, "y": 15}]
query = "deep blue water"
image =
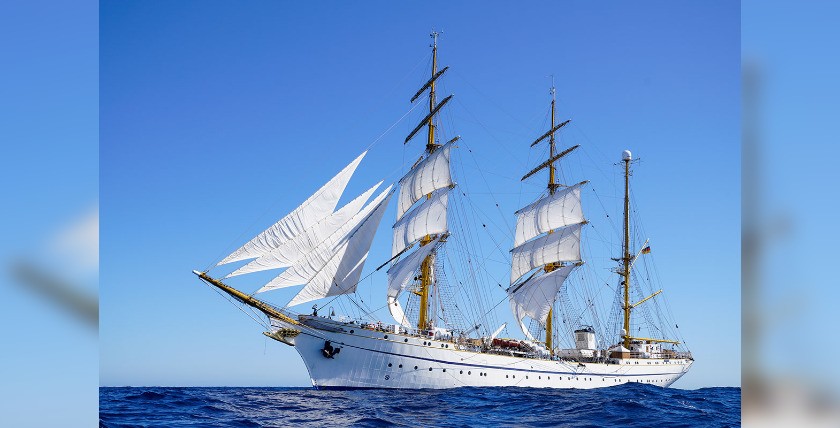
[{"x": 628, "y": 405}]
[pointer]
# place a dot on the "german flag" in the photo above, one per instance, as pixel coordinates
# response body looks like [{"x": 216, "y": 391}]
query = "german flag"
[{"x": 646, "y": 250}]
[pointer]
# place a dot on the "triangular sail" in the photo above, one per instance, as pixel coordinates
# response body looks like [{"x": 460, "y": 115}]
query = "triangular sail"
[
  {"x": 428, "y": 218},
  {"x": 563, "y": 245},
  {"x": 295, "y": 249},
  {"x": 316, "y": 207},
  {"x": 429, "y": 175},
  {"x": 308, "y": 267},
  {"x": 550, "y": 212},
  {"x": 535, "y": 297},
  {"x": 342, "y": 272}
]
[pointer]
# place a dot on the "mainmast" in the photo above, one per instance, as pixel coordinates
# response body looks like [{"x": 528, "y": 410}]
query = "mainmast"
[
  {"x": 627, "y": 157},
  {"x": 552, "y": 187},
  {"x": 426, "y": 266},
  {"x": 547, "y": 237}
]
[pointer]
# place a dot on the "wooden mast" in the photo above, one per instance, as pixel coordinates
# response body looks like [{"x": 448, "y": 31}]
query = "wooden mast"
[
  {"x": 426, "y": 266},
  {"x": 552, "y": 187}
]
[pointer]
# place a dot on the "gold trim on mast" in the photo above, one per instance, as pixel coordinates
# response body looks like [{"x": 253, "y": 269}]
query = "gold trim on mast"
[
  {"x": 423, "y": 322},
  {"x": 552, "y": 187}
]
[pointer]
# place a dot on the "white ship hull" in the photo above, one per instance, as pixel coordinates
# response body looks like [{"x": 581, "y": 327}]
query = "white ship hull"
[{"x": 374, "y": 359}]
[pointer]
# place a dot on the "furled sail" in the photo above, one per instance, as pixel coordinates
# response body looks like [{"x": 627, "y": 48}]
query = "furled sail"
[
  {"x": 293, "y": 250},
  {"x": 563, "y": 245},
  {"x": 429, "y": 175},
  {"x": 556, "y": 210},
  {"x": 534, "y": 298},
  {"x": 316, "y": 207},
  {"x": 342, "y": 272},
  {"x": 428, "y": 218},
  {"x": 308, "y": 267}
]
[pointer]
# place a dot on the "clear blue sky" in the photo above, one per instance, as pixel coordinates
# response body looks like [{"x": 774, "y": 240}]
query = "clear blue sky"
[{"x": 219, "y": 117}]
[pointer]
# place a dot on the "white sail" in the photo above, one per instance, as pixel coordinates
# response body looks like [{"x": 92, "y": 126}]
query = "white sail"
[
  {"x": 287, "y": 254},
  {"x": 315, "y": 208},
  {"x": 560, "y": 209},
  {"x": 429, "y": 175},
  {"x": 397, "y": 312},
  {"x": 535, "y": 297},
  {"x": 428, "y": 218},
  {"x": 402, "y": 272},
  {"x": 563, "y": 245},
  {"x": 306, "y": 268},
  {"x": 342, "y": 273}
]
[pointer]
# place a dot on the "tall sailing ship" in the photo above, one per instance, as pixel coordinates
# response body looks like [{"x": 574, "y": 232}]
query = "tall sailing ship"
[{"x": 325, "y": 250}]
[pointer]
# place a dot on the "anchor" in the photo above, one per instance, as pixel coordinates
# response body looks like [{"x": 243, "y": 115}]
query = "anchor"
[{"x": 329, "y": 351}]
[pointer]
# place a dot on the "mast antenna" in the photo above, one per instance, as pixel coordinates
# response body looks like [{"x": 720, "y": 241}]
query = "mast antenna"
[{"x": 434, "y": 35}]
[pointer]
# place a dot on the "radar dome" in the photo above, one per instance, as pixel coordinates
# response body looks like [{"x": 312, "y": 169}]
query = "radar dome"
[{"x": 626, "y": 155}]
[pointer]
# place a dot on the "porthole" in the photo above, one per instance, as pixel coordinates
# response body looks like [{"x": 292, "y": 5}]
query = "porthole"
[
  {"x": 469, "y": 372},
  {"x": 441, "y": 345},
  {"x": 444, "y": 370},
  {"x": 352, "y": 331},
  {"x": 549, "y": 378},
  {"x": 462, "y": 372},
  {"x": 507, "y": 376},
  {"x": 514, "y": 376},
  {"x": 389, "y": 364},
  {"x": 526, "y": 377},
  {"x": 405, "y": 340},
  {"x": 430, "y": 369},
  {"x": 447, "y": 346},
  {"x": 539, "y": 377},
  {"x": 415, "y": 367},
  {"x": 386, "y": 336},
  {"x": 400, "y": 365}
]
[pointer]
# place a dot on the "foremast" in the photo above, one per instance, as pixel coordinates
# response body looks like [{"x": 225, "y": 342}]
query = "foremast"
[
  {"x": 422, "y": 210},
  {"x": 426, "y": 265}
]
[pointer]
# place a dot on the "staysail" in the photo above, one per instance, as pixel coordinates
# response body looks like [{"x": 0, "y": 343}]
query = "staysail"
[
  {"x": 341, "y": 273},
  {"x": 293, "y": 250},
  {"x": 315, "y": 208},
  {"x": 308, "y": 267}
]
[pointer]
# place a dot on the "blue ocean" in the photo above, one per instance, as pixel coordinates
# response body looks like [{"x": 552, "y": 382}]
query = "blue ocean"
[{"x": 628, "y": 405}]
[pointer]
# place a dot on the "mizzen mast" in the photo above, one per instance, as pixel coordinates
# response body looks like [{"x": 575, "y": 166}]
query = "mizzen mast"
[
  {"x": 627, "y": 157},
  {"x": 627, "y": 259}
]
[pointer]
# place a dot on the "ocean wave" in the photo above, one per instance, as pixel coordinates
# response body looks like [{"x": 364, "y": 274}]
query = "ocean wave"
[{"x": 632, "y": 405}]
